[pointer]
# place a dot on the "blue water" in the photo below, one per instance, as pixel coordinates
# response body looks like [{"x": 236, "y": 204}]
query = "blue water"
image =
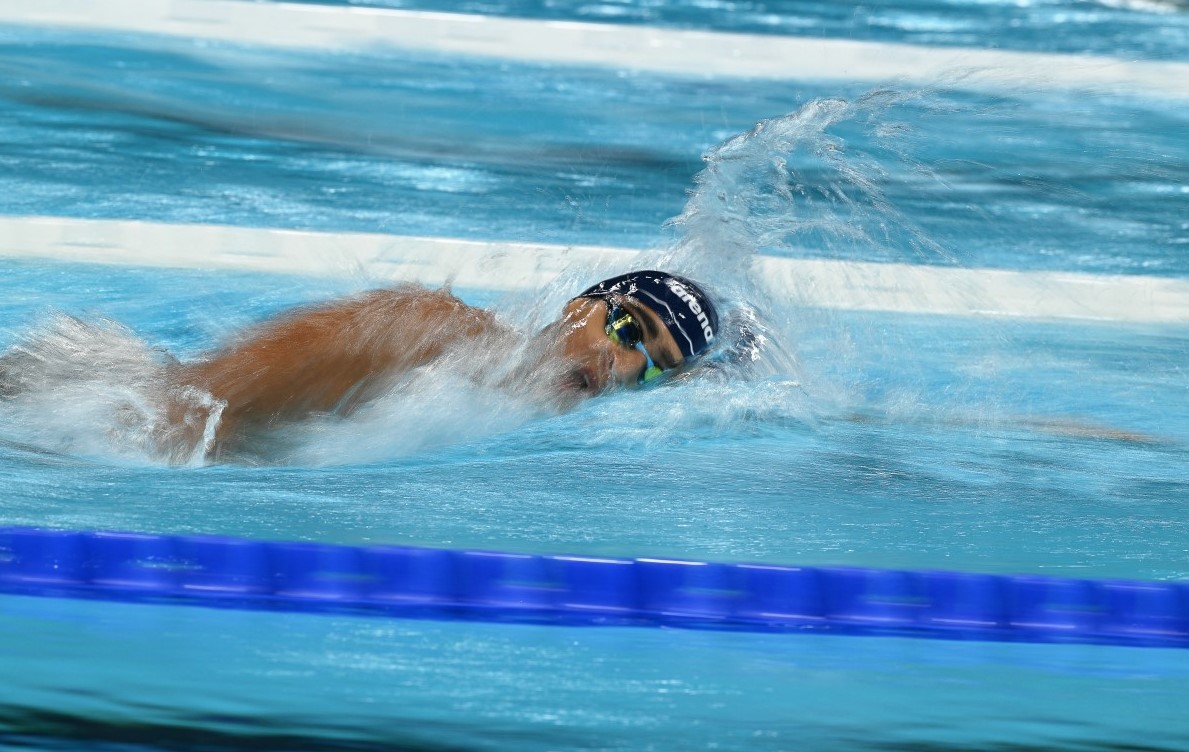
[
  {"x": 912, "y": 448},
  {"x": 873, "y": 439},
  {"x": 250, "y": 680},
  {"x": 266, "y": 138}
]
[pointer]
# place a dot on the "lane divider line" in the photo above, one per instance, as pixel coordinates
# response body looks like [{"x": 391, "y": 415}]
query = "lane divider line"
[
  {"x": 501, "y": 266},
  {"x": 656, "y": 50},
  {"x": 469, "y": 585}
]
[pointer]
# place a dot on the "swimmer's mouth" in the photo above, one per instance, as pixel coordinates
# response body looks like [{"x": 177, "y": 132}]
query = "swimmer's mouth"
[{"x": 584, "y": 380}]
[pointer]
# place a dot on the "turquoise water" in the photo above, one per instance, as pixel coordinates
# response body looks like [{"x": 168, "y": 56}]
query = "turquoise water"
[
  {"x": 180, "y": 678},
  {"x": 909, "y": 448},
  {"x": 873, "y": 439},
  {"x": 1017, "y": 178}
]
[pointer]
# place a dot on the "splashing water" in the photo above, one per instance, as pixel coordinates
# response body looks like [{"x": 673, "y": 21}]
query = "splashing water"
[
  {"x": 791, "y": 182},
  {"x": 94, "y": 388},
  {"x": 816, "y": 182},
  {"x": 463, "y": 396}
]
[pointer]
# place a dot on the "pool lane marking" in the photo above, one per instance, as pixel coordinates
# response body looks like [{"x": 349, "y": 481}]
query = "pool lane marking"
[
  {"x": 510, "y": 266},
  {"x": 643, "y": 48},
  {"x": 566, "y": 590}
]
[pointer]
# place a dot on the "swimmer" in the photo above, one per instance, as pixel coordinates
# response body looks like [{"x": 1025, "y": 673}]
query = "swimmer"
[{"x": 626, "y": 331}]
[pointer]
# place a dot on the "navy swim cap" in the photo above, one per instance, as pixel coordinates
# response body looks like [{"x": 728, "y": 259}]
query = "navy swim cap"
[{"x": 684, "y": 308}]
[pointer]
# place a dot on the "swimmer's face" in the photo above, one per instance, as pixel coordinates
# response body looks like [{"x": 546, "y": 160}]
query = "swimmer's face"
[{"x": 594, "y": 362}]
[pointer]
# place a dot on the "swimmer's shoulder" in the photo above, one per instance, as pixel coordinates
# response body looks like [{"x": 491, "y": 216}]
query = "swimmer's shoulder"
[{"x": 413, "y": 304}]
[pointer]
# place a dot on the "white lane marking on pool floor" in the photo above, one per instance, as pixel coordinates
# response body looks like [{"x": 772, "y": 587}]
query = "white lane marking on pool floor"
[
  {"x": 672, "y": 51},
  {"x": 503, "y": 266}
]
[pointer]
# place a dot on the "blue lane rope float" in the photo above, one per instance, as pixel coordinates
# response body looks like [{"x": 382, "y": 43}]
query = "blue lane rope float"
[{"x": 579, "y": 590}]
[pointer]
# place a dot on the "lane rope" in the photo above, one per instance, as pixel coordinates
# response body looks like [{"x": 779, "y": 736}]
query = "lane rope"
[
  {"x": 407, "y": 582},
  {"x": 677, "y": 52},
  {"x": 512, "y": 266}
]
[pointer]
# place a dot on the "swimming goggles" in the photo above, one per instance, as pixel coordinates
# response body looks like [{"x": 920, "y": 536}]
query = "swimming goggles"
[{"x": 624, "y": 330}]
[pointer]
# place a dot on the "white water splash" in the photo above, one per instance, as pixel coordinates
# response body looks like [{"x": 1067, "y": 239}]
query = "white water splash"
[
  {"x": 92, "y": 388},
  {"x": 790, "y": 182},
  {"x": 813, "y": 179},
  {"x": 795, "y": 182}
]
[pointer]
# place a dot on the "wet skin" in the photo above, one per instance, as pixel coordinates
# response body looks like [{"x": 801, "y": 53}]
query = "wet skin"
[
  {"x": 332, "y": 357},
  {"x": 599, "y": 364}
]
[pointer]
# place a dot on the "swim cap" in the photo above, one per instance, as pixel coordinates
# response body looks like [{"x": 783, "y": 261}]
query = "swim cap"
[{"x": 684, "y": 308}]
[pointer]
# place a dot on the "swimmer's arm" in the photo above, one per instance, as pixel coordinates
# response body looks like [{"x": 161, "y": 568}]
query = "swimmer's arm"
[
  {"x": 1085, "y": 429},
  {"x": 1066, "y": 427},
  {"x": 318, "y": 359}
]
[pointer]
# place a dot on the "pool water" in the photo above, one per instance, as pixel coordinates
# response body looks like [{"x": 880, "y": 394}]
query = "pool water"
[
  {"x": 879, "y": 439},
  {"x": 1013, "y": 177},
  {"x": 902, "y": 449}
]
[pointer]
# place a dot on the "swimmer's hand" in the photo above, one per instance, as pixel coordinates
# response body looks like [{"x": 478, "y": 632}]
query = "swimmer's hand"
[{"x": 1082, "y": 429}]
